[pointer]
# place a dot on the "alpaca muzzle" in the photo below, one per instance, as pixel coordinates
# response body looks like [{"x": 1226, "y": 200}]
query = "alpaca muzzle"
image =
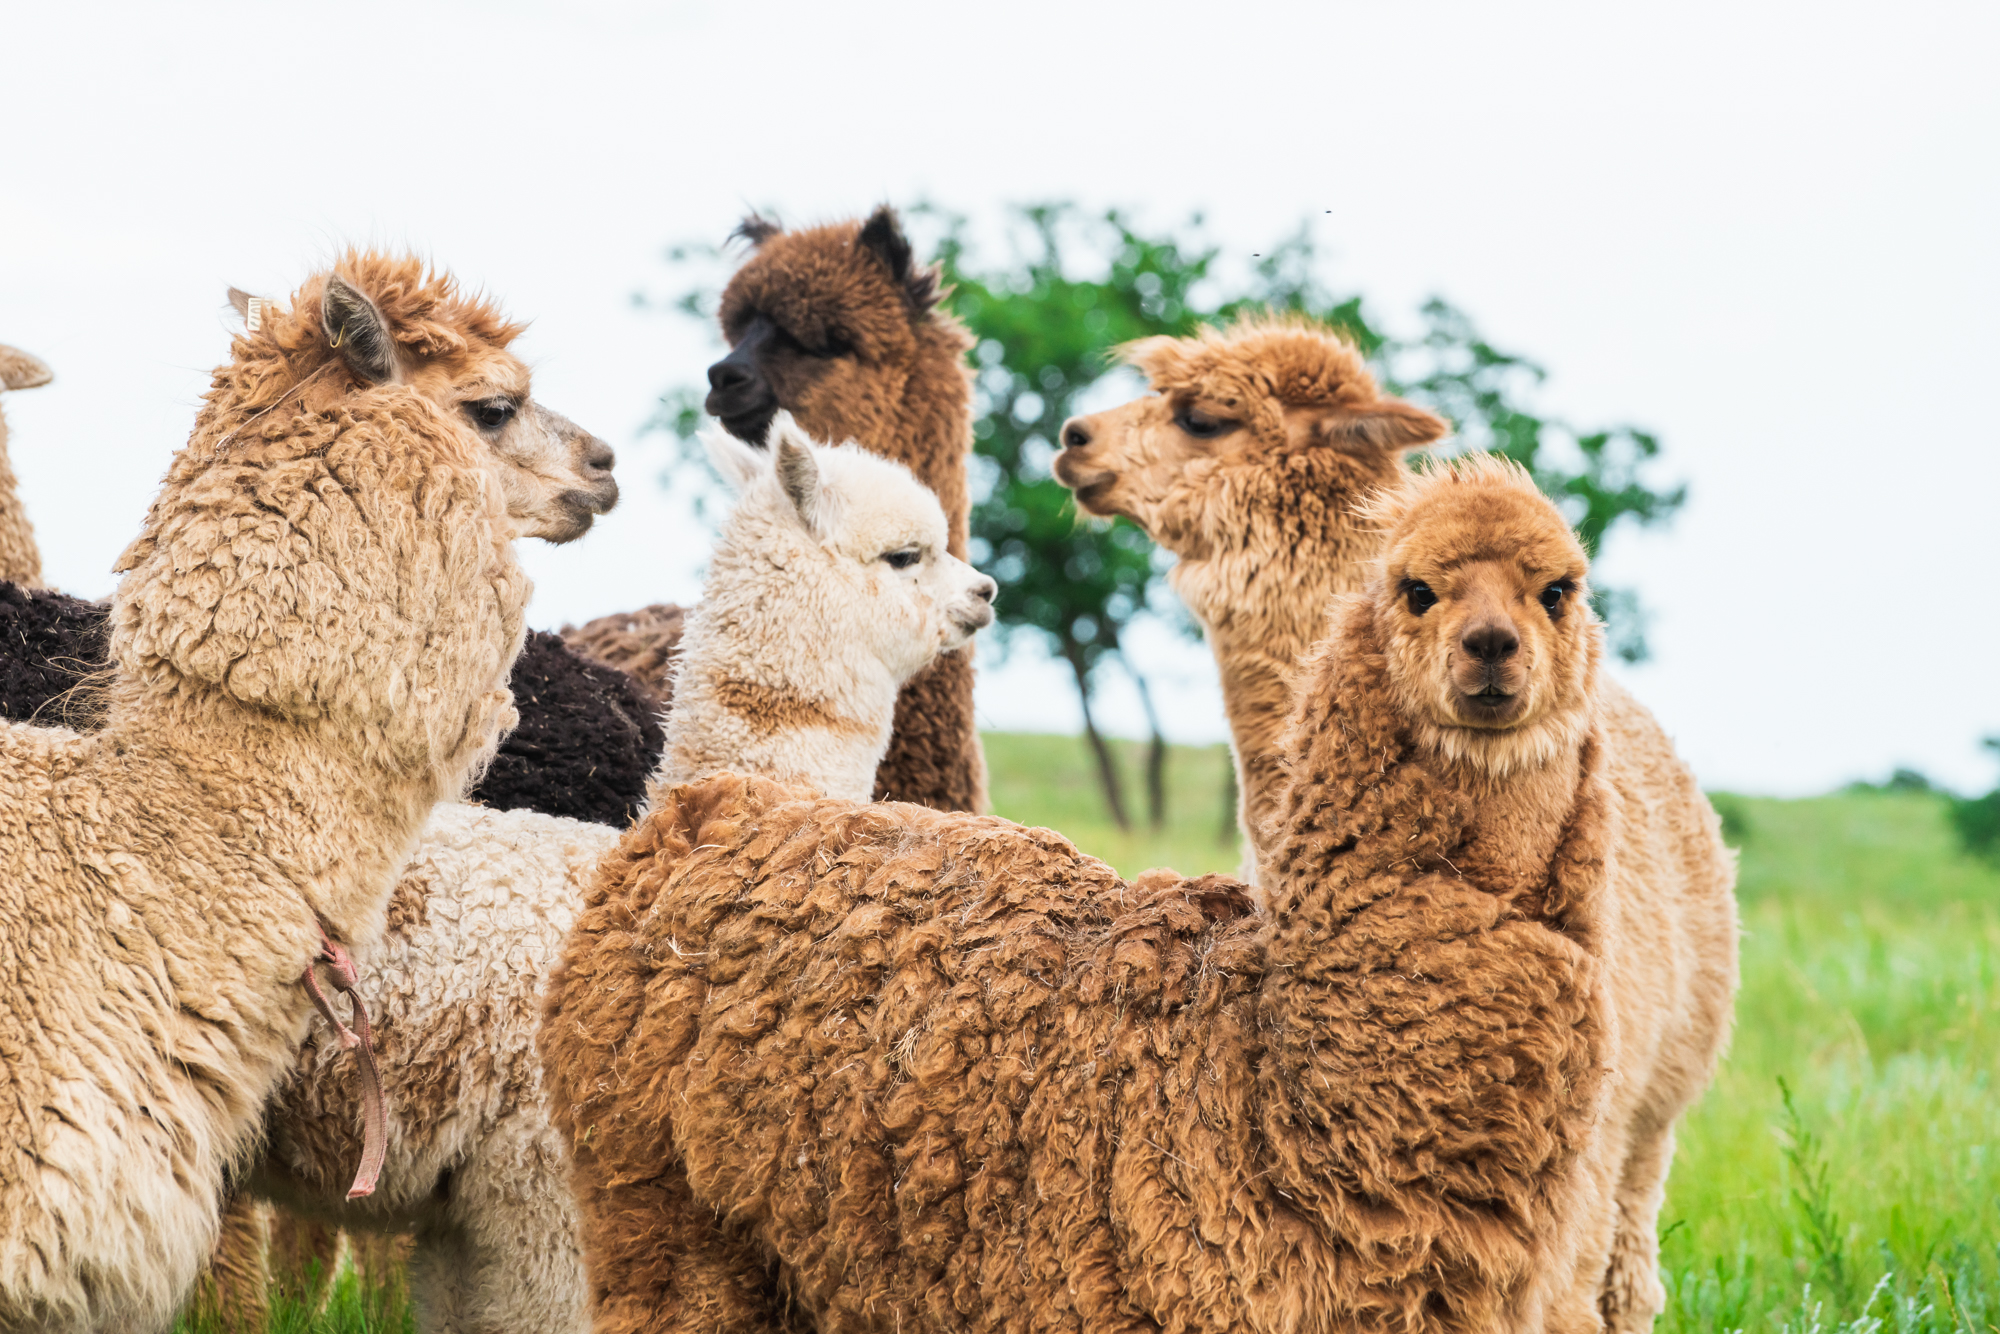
[{"x": 360, "y": 1039}]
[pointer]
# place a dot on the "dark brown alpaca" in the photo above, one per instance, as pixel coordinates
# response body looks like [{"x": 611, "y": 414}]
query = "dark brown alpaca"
[
  {"x": 841, "y": 327},
  {"x": 898, "y": 1069}
]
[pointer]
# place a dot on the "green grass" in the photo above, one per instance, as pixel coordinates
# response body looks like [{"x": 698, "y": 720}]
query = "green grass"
[{"x": 1870, "y": 1005}]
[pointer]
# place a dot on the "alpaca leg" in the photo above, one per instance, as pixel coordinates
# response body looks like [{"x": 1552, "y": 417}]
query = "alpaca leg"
[
  {"x": 1633, "y": 1295},
  {"x": 660, "y": 1263},
  {"x": 235, "y": 1289},
  {"x": 304, "y": 1259},
  {"x": 505, "y": 1256}
]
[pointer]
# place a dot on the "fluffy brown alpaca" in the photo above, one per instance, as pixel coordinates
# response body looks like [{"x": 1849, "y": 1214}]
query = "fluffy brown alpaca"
[
  {"x": 310, "y": 648},
  {"x": 1247, "y": 462},
  {"x": 841, "y": 327},
  {"x": 888, "y": 1068},
  {"x": 20, "y": 558}
]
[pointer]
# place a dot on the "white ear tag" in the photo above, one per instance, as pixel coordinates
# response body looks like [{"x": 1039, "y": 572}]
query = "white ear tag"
[{"x": 253, "y": 318}]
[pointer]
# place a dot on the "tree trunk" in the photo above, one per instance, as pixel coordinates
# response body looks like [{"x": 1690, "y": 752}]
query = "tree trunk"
[
  {"x": 1107, "y": 766},
  {"x": 1156, "y": 753}
]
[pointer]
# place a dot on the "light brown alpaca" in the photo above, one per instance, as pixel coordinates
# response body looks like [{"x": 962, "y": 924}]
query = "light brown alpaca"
[
  {"x": 890, "y": 1068},
  {"x": 20, "y": 558},
  {"x": 1246, "y": 464},
  {"x": 310, "y": 648}
]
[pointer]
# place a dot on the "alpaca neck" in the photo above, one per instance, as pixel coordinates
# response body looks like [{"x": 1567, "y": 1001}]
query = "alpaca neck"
[
  {"x": 308, "y": 811},
  {"x": 1260, "y": 585},
  {"x": 20, "y": 557},
  {"x": 935, "y": 430},
  {"x": 1426, "y": 922},
  {"x": 761, "y": 691}
]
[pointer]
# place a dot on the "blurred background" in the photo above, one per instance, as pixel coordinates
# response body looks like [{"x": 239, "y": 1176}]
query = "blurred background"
[{"x": 1725, "y": 273}]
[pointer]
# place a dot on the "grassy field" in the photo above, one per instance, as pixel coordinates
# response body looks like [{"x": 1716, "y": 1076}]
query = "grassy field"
[{"x": 1871, "y": 999}]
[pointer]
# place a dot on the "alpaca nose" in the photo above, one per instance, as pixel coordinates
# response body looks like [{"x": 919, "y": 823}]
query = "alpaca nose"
[
  {"x": 728, "y": 374},
  {"x": 1491, "y": 641},
  {"x": 598, "y": 456},
  {"x": 1076, "y": 433},
  {"x": 986, "y": 589}
]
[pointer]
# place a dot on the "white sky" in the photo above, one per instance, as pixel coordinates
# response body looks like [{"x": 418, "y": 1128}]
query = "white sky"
[{"x": 1767, "y": 232}]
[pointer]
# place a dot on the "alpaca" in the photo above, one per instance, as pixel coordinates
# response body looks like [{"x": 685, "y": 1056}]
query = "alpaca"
[
  {"x": 586, "y": 742},
  {"x": 20, "y": 558},
  {"x": 1246, "y": 463},
  {"x": 840, "y": 326},
  {"x": 895, "y": 1068},
  {"x": 310, "y": 646},
  {"x": 830, "y": 586}
]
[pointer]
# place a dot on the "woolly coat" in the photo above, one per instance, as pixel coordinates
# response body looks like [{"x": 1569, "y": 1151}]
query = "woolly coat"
[
  {"x": 912, "y": 1070},
  {"x": 475, "y": 1169},
  {"x": 645, "y": 644},
  {"x": 905, "y": 393},
  {"x": 311, "y": 645},
  {"x": 587, "y": 740}
]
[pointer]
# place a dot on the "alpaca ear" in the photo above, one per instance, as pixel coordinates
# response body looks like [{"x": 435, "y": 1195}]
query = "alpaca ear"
[
  {"x": 18, "y": 370},
  {"x": 251, "y": 308},
  {"x": 1391, "y": 425},
  {"x": 355, "y": 327},
  {"x": 798, "y": 474},
  {"x": 739, "y": 462},
  {"x": 756, "y": 229},
  {"x": 883, "y": 236}
]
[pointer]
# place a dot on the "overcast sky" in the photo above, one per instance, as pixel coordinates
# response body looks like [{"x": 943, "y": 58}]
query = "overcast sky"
[{"x": 1766, "y": 232}]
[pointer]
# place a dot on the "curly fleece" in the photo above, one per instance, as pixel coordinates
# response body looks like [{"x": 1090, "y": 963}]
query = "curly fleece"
[
  {"x": 587, "y": 739},
  {"x": 310, "y": 646},
  {"x": 475, "y": 1171},
  {"x": 890, "y": 1068}
]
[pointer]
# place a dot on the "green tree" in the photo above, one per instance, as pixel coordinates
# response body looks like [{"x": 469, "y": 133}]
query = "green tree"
[{"x": 1076, "y": 284}]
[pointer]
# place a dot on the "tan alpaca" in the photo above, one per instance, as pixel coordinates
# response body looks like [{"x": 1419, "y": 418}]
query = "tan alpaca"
[
  {"x": 938, "y": 1072},
  {"x": 1246, "y": 463},
  {"x": 795, "y": 687},
  {"x": 20, "y": 558},
  {"x": 310, "y": 648},
  {"x": 830, "y": 587}
]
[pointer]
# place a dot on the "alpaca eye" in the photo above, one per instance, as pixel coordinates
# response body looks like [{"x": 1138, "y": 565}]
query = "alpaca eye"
[
  {"x": 490, "y": 414},
  {"x": 1202, "y": 426},
  {"x": 1420, "y": 596},
  {"x": 902, "y": 560},
  {"x": 1552, "y": 597}
]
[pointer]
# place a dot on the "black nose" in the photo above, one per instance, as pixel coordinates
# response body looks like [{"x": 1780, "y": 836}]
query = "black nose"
[
  {"x": 728, "y": 374},
  {"x": 1491, "y": 641},
  {"x": 1075, "y": 433},
  {"x": 598, "y": 456}
]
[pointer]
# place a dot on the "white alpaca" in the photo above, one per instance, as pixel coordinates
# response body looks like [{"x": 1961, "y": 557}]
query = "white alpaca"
[
  {"x": 808, "y": 696},
  {"x": 830, "y": 586}
]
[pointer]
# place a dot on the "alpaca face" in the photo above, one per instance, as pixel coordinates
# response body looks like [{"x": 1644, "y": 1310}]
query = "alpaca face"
[
  {"x": 1241, "y": 426},
  {"x": 821, "y": 323},
  {"x": 884, "y": 583},
  {"x": 555, "y": 475},
  {"x": 1484, "y": 614},
  {"x": 910, "y": 598}
]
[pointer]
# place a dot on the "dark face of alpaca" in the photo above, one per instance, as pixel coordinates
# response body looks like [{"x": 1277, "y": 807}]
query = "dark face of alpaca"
[{"x": 821, "y": 323}]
